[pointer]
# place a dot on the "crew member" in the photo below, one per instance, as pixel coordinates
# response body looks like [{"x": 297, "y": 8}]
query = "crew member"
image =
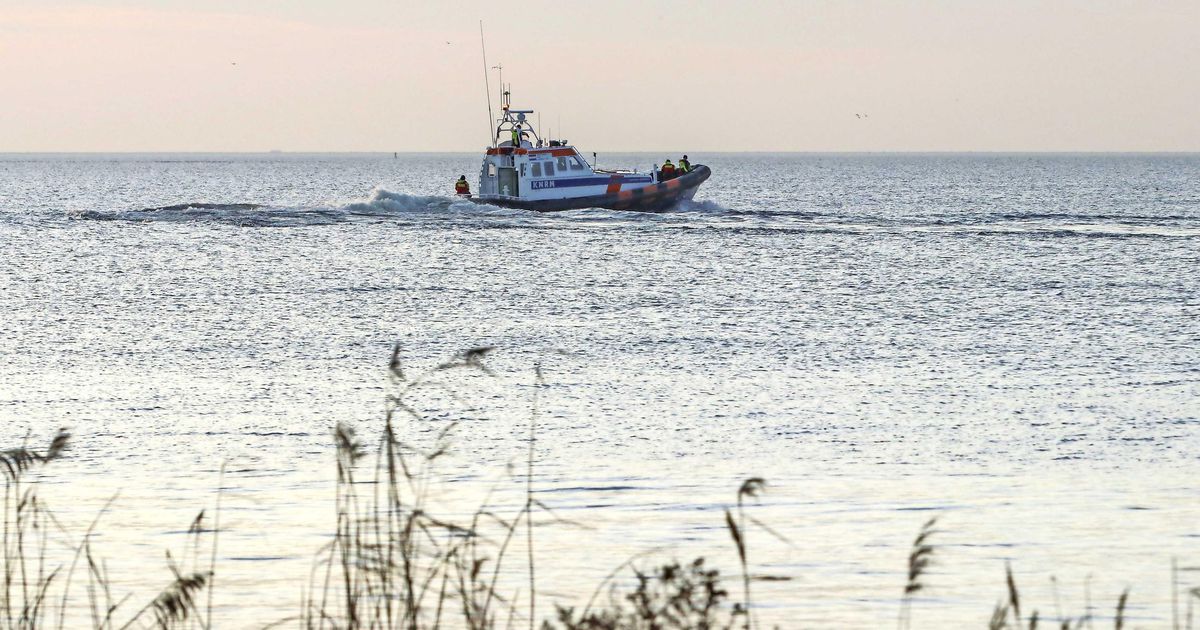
[
  {"x": 684, "y": 165},
  {"x": 461, "y": 186},
  {"x": 516, "y": 137},
  {"x": 667, "y": 171}
]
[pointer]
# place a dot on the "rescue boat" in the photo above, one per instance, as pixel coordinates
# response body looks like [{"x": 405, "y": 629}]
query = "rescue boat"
[{"x": 520, "y": 170}]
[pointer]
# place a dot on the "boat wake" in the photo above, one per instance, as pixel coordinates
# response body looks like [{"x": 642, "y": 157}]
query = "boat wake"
[
  {"x": 392, "y": 207},
  {"x": 381, "y": 205}
]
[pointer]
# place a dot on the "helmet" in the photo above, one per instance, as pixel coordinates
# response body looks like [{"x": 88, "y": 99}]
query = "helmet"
[
  {"x": 685, "y": 157},
  {"x": 462, "y": 176}
]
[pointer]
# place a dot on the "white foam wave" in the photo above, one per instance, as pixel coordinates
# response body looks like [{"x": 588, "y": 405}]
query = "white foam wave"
[
  {"x": 382, "y": 202},
  {"x": 379, "y": 204},
  {"x": 702, "y": 207}
]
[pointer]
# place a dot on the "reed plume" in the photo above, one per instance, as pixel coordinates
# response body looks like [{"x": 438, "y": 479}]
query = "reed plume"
[
  {"x": 919, "y": 558},
  {"x": 176, "y": 603}
]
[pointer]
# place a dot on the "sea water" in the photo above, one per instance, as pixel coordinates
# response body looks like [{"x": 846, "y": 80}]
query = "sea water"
[{"x": 1009, "y": 343}]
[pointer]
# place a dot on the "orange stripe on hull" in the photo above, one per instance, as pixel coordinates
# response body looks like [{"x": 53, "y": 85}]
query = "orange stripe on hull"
[{"x": 614, "y": 184}]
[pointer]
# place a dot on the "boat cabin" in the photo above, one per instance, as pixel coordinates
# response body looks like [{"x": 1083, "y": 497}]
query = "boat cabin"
[{"x": 521, "y": 165}]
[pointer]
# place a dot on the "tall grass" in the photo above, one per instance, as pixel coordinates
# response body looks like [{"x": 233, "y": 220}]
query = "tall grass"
[
  {"x": 394, "y": 562},
  {"x": 37, "y": 582},
  {"x": 27, "y": 523}
]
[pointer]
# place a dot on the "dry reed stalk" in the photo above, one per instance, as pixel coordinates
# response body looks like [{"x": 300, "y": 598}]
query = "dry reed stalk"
[
  {"x": 750, "y": 488},
  {"x": 83, "y": 549},
  {"x": 1119, "y": 623},
  {"x": 539, "y": 382},
  {"x": 999, "y": 619},
  {"x": 1193, "y": 594},
  {"x": 1087, "y": 599},
  {"x": 1014, "y": 600},
  {"x": 212, "y": 566},
  {"x": 1057, "y": 602},
  {"x": 919, "y": 558}
]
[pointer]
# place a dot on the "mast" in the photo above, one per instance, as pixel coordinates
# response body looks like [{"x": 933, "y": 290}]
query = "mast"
[
  {"x": 496, "y": 131},
  {"x": 486, "y": 85}
]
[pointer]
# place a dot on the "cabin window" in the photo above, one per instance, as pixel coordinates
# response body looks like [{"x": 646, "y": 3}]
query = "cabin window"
[
  {"x": 562, "y": 163},
  {"x": 491, "y": 169},
  {"x": 577, "y": 165},
  {"x": 549, "y": 169},
  {"x": 522, "y": 170},
  {"x": 536, "y": 169}
]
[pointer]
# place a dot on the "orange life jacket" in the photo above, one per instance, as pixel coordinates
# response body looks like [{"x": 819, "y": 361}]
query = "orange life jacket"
[{"x": 462, "y": 187}]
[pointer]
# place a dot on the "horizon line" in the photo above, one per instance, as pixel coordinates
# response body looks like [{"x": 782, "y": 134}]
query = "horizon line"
[{"x": 741, "y": 152}]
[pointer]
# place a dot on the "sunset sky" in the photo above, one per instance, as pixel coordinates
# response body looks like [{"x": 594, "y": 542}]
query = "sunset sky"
[{"x": 385, "y": 75}]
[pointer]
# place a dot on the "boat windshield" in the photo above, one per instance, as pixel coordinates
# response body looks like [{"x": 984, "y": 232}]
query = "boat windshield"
[{"x": 571, "y": 163}]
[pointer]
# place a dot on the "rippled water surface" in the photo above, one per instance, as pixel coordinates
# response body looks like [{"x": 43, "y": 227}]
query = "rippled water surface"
[{"x": 1010, "y": 342}]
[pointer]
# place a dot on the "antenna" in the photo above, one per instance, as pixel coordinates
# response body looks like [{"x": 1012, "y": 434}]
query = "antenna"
[{"x": 487, "y": 86}]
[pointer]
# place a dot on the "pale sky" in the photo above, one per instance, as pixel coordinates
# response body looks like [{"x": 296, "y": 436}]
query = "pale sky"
[{"x": 691, "y": 75}]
